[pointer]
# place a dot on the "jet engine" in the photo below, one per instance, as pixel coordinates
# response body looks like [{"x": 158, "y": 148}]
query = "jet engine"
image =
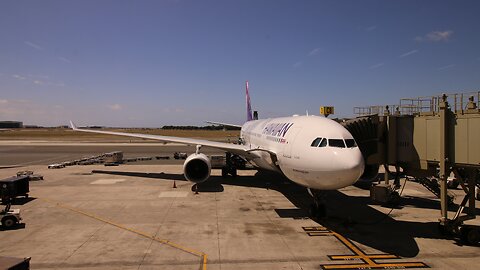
[{"x": 197, "y": 168}]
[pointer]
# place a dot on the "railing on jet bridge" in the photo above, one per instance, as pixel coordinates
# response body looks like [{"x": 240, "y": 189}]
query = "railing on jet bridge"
[
  {"x": 420, "y": 105},
  {"x": 370, "y": 110}
]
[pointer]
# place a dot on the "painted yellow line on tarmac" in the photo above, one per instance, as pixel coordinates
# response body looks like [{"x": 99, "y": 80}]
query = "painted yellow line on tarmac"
[
  {"x": 368, "y": 260},
  {"x": 374, "y": 266},
  {"x": 200, "y": 254},
  {"x": 350, "y": 257}
]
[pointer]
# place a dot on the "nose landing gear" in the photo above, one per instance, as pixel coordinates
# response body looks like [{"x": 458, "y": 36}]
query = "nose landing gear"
[{"x": 318, "y": 209}]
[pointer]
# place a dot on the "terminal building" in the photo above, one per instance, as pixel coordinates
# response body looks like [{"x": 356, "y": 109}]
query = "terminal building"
[{"x": 11, "y": 124}]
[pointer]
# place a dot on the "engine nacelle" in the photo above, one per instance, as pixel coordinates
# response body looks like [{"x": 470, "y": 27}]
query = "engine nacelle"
[{"x": 197, "y": 168}]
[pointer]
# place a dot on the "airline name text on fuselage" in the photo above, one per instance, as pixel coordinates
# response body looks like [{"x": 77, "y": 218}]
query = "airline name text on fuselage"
[{"x": 277, "y": 129}]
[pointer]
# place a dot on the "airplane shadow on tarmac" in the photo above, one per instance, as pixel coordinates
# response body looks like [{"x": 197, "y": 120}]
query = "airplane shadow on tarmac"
[{"x": 351, "y": 216}]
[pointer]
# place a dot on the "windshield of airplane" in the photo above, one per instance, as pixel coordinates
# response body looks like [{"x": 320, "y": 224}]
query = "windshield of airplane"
[
  {"x": 340, "y": 143},
  {"x": 319, "y": 142},
  {"x": 350, "y": 143},
  {"x": 336, "y": 143}
]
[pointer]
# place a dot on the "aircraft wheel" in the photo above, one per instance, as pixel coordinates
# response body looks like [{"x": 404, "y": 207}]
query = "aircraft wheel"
[
  {"x": 470, "y": 236},
  {"x": 318, "y": 211},
  {"x": 8, "y": 222},
  {"x": 322, "y": 211},
  {"x": 313, "y": 210},
  {"x": 224, "y": 172}
]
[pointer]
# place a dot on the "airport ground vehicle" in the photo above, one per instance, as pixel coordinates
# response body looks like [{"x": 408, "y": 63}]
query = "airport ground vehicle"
[
  {"x": 56, "y": 166},
  {"x": 10, "y": 217},
  {"x": 31, "y": 175},
  {"x": 13, "y": 187},
  {"x": 179, "y": 155}
]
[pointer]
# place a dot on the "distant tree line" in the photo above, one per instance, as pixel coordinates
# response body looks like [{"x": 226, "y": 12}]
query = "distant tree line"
[{"x": 211, "y": 127}]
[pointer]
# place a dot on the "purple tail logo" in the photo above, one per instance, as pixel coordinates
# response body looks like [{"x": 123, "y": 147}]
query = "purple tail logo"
[{"x": 249, "y": 106}]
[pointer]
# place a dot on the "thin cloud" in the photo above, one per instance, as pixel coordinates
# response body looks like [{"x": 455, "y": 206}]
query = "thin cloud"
[
  {"x": 436, "y": 36},
  {"x": 60, "y": 84},
  {"x": 33, "y": 45},
  {"x": 447, "y": 67},
  {"x": 377, "y": 66},
  {"x": 38, "y": 76},
  {"x": 64, "y": 59},
  {"x": 297, "y": 64},
  {"x": 3, "y": 101},
  {"x": 371, "y": 28},
  {"x": 18, "y": 77},
  {"x": 408, "y": 53},
  {"x": 314, "y": 52},
  {"x": 39, "y": 80},
  {"x": 115, "y": 107}
]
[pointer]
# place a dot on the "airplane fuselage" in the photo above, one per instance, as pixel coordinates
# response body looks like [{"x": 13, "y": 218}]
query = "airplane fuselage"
[{"x": 313, "y": 151}]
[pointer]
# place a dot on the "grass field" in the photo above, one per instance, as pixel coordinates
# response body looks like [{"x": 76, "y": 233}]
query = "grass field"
[{"x": 61, "y": 134}]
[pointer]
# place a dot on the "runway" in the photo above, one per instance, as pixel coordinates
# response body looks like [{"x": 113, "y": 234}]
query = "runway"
[
  {"x": 132, "y": 217},
  {"x": 44, "y": 153}
]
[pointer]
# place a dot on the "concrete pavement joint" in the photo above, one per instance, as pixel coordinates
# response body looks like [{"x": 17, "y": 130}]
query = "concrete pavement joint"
[{"x": 200, "y": 254}]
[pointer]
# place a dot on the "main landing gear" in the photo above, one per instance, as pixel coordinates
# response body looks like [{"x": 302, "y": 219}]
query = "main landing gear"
[
  {"x": 229, "y": 168},
  {"x": 232, "y": 163},
  {"x": 318, "y": 208}
]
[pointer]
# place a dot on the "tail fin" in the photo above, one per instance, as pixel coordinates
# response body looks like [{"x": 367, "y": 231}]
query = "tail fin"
[{"x": 249, "y": 106}]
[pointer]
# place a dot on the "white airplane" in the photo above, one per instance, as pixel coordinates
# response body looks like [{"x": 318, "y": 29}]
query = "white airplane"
[{"x": 313, "y": 151}]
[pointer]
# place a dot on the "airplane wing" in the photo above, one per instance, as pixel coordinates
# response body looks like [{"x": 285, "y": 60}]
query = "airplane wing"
[
  {"x": 227, "y": 147},
  {"x": 224, "y": 124}
]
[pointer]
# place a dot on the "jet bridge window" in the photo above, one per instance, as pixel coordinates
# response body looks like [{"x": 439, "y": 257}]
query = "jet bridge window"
[
  {"x": 336, "y": 143},
  {"x": 319, "y": 142},
  {"x": 350, "y": 143}
]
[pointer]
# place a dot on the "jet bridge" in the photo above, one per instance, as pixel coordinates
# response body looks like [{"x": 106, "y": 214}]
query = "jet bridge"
[{"x": 427, "y": 137}]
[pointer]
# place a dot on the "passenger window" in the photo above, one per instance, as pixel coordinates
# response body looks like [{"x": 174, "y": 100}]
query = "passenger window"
[
  {"x": 316, "y": 142},
  {"x": 350, "y": 143},
  {"x": 336, "y": 143}
]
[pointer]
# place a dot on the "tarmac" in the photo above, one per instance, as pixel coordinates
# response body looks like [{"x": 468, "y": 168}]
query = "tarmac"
[{"x": 144, "y": 215}]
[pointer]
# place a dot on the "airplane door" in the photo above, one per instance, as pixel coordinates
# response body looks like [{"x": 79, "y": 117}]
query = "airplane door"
[{"x": 291, "y": 136}]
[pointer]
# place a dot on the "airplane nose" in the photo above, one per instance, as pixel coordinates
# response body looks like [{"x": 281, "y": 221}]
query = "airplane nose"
[{"x": 352, "y": 165}]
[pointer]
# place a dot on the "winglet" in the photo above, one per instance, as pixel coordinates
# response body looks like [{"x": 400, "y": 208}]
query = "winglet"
[{"x": 72, "y": 125}]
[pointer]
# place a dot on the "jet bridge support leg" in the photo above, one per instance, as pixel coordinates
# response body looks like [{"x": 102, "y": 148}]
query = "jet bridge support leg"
[{"x": 468, "y": 234}]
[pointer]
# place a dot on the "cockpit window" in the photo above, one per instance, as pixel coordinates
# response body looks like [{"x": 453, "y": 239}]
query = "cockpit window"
[
  {"x": 350, "y": 143},
  {"x": 316, "y": 142},
  {"x": 336, "y": 143},
  {"x": 323, "y": 143}
]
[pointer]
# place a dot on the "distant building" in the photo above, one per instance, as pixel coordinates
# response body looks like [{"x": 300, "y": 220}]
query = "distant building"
[{"x": 11, "y": 124}]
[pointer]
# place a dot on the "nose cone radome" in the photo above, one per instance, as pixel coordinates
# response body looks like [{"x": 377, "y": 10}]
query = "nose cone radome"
[{"x": 350, "y": 166}]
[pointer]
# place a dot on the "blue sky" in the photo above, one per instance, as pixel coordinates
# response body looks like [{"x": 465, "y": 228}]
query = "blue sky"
[{"x": 154, "y": 63}]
